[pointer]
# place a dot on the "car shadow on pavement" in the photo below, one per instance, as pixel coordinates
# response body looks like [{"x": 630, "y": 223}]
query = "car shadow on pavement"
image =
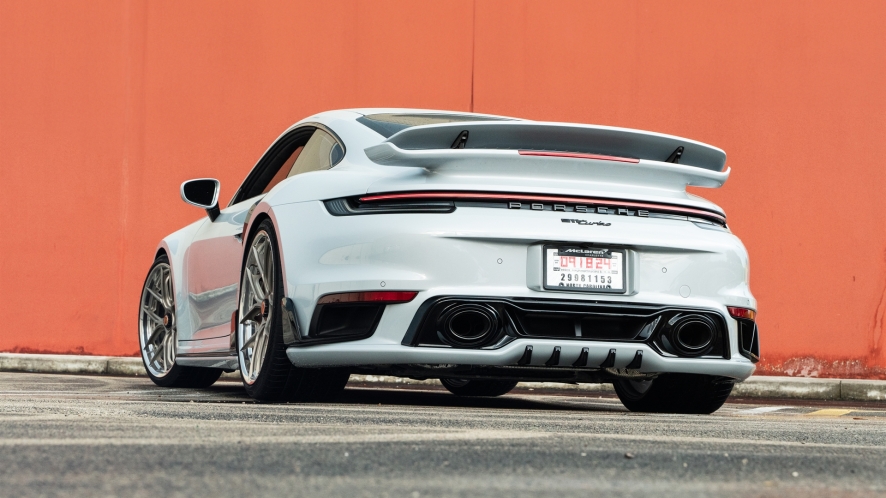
[
  {"x": 442, "y": 398},
  {"x": 429, "y": 396}
]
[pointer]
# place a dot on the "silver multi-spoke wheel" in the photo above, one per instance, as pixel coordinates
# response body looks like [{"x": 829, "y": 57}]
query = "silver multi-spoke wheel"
[
  {"x": 256, "y": 306},
  {"x": 156, "y": 325},
  {"x": 267, "y": 373}
]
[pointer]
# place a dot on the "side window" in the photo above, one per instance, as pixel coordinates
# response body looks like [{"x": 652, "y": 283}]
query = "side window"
[
  {"x": 284, "y": 170},
  {"x": 300, "y": 151},
  {"x": 321, "y": 152}
]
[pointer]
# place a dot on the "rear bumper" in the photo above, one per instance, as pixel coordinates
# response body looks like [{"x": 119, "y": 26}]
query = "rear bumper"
[
  {"x": 357, "y": 354},
  {"x": 498, "y": 253}
]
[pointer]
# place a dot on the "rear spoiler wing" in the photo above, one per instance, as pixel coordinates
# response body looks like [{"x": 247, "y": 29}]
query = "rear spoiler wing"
[{"x": 631, "y": 155}]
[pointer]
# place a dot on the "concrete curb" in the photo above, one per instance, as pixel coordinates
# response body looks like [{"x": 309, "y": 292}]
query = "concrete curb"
[{"x": 755, "y": 387}]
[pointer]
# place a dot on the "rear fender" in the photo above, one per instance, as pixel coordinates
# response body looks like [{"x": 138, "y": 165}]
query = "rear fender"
[{"x": 176, "y": 246}]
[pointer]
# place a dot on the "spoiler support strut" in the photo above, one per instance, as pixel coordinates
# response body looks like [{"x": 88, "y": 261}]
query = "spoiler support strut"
[
  {"x": 461, "y": 141},
  {"x": 675, "y": 156}
]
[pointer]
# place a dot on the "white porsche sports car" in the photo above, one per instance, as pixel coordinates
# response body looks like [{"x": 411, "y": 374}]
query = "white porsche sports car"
[{"x": 479, "y": 250}]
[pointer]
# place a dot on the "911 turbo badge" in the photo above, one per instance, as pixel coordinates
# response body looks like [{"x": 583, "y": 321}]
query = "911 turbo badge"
[{"x": 585, "y": 222}]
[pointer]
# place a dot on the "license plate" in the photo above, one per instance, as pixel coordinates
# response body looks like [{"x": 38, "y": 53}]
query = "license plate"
[{"x": 585, "y": 269}]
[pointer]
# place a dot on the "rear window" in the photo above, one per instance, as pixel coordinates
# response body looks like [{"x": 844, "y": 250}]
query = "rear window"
[
  {"x": 321, "y": 152},
  {"x": 389, "y": 124}
]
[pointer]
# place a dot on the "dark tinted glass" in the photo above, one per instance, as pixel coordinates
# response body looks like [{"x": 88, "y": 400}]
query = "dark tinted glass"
[
  {"x": 259, "y": 179},
  {"x": 336, "y": 154},
  {"x": 389, "y": 124}
]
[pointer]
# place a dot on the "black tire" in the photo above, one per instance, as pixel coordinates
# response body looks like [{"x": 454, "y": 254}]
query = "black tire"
[
  {"x": 176, "y": 375},
  {"x": 326, "y": 385},
  {"x": 190, "y": 377},
  {"x": 675, "y": 393},
  {"x": 278, "y": 379},
  {"x": 478, "y": 387}
]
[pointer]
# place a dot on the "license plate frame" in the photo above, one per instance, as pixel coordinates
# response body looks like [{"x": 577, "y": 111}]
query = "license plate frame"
[{"x": 549, "y": 266}]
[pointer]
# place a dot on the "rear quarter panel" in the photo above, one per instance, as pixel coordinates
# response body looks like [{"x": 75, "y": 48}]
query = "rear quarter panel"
[{"x": 176, "y": 246}]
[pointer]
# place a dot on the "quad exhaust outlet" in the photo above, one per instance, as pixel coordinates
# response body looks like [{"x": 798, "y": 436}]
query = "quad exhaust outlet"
[
  {"x": 692, "y": 335},
  {"x": 469, "y": 324}
]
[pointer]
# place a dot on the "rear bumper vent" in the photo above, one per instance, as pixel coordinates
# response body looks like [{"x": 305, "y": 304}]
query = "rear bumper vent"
[
  {"x": 488, "y": 323},
  {"x": 748, "y": 334},
  {"x": 748, "y": 340},
  {"x": 338, "y": 322},
  {"x": 350, "y": 316}
]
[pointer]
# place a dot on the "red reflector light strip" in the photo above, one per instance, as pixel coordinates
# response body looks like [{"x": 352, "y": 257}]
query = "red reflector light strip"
[
  {"x": 743, "y": 313},
  {"x": 378, "y": 297},
  {"x": 577, "y": 155},
  {"x": 544, "y": 198}
]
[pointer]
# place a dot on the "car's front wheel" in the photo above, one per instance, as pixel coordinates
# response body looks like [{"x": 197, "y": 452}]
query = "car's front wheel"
[
  {"x": 478, "y": 387},
  {"x": 157, "y": 333},
  {"x": 267, "y": 373},
  {"x": 674, "y": 393}
]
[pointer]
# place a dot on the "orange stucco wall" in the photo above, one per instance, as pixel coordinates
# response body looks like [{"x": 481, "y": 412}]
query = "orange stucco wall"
[{"x": 106, "y": 106}]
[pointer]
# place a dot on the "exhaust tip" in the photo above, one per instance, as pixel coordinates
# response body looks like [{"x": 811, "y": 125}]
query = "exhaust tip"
[
  {"x": 469, "y": 324},
  {"x": 693, "y": 335}
]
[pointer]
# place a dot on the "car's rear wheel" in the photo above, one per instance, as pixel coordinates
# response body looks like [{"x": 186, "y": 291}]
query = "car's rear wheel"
[
  {"x": 267, "y": 373},
  {"x": 674, "y": 393},
  {"x": 478, "y": 387},
  {"x": 157, "y": 333}
]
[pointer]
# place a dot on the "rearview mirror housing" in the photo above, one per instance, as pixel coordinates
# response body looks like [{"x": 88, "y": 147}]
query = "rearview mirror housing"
[{"x": 203, "y": 193}]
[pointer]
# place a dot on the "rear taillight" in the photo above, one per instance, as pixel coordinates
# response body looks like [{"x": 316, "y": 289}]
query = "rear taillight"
[
  {"x": 423, "y": 202},
  {"x": 742, "y": 313},
  {"x": 349, "y": 207},
  {"x": 376, "y": 297}
]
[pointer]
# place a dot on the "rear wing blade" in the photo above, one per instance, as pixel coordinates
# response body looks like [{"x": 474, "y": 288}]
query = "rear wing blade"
[
  {"x": 552, "y": 149},
  {"x": 564, "y": 137}
]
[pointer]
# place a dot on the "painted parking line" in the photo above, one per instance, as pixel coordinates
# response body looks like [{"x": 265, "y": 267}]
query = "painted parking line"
[
  {"x": 760, "y": 410},
  {"x": 829, "y": 412}
]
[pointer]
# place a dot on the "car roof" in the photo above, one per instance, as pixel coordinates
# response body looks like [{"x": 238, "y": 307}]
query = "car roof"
[{"x": 402, "y": 110}]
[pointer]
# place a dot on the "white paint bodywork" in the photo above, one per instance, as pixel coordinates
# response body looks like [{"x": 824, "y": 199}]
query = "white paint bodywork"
[{"x": 458, "y": 253}]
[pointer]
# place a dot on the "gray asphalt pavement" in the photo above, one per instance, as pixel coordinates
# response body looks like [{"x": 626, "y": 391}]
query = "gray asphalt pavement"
[{"x": 66, "y": 435}]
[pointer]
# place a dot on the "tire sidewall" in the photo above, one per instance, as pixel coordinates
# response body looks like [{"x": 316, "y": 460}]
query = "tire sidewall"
[
  {"x": 676, "y": 393},
  {"x": 260, "y": 387},
  {"x": 171, "y": 378}
]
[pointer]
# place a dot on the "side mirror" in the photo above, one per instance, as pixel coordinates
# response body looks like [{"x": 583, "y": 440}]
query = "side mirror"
[{"x": 203, "y": 193}]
